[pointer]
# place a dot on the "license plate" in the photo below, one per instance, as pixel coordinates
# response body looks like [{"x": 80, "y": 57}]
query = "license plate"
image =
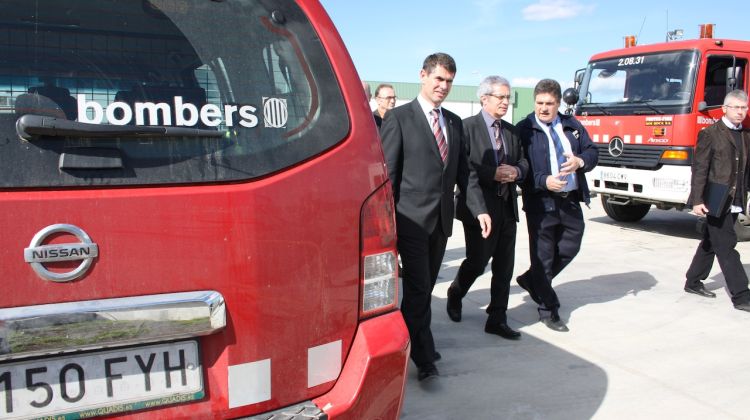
[
  {"x": 100, "y": 383},
  {"x": 614, "y": 176}
]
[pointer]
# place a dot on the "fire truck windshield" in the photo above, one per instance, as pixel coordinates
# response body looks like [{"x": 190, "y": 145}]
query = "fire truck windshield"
[{"x": 657, "y": 83}]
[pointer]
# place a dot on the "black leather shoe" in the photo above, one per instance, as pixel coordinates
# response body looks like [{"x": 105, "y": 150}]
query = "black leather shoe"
[
  {"x": 502, "y": 329},
  {"x": 700, "y": 290},
  {"x": 553, "y": 321},
  {"x": 437, "y": 356},
  {"x": 742, "y": 306},
  {"x": 427, "y": 371},
  {"x": 523, "y": 282},
  {"x": 453, "y": 305}
]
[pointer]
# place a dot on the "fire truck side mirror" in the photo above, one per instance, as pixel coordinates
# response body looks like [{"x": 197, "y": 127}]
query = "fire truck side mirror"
[
  {"x": 702, "y": 106},
  {"x": 578, "y": 78},
  {"x": 733, "y": 74},
  {"x": 570, "y": 96}
]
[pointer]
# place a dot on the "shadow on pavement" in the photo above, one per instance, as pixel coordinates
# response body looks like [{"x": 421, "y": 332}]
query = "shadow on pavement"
[
  {"x": 485, "y": 377},
  {"x": 597, "y": 289},
  {"x": 664, "y": 222}
]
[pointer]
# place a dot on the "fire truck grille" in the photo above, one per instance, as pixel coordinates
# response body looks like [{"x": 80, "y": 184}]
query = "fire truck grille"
[{"x": 641, "y": 157}]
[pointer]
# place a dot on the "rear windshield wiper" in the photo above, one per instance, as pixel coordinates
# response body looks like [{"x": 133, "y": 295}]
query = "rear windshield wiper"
[
  {"x": 31, "y": 126},
  {"x": 648, "y": 104}
]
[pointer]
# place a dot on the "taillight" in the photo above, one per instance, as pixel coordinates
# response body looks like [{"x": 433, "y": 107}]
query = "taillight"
[{"x": 379, "y": 270}]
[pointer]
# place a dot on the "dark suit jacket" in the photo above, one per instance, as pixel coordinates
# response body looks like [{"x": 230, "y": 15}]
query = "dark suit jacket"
[
  {"x": 716, "y": 161},
  {"x": 378, "y": 118},
  {"x": 422, "y": 185},
  {"x": 536, "y": 197},
  {"x": 481, "y": 154}
]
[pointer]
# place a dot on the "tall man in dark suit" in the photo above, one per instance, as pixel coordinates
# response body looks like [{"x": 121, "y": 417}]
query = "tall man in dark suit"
[
  {"x": 424, "y": 150},
  {"x": 495, "y": 154},
  {"x": 559, "y": 152},
  {"x": 721, "y": 157}
]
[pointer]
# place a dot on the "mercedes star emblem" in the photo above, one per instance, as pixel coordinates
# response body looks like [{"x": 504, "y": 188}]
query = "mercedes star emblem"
[{"x": 616, "y": 147}]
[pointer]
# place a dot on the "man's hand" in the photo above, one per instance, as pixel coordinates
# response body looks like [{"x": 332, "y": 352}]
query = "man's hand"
[
  {"x": 572, "y": 164},
  {"x": 485, "y": 223},
  {"x": 700, "y": 209},
  {"x": 506, "y": 173},
  {"x": 554, "y": 183}
]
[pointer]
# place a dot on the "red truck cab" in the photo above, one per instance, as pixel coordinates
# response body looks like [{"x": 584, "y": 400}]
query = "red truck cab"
[
  {"x": 196, "y": 216},
  {"x": 644, "y": 106}
]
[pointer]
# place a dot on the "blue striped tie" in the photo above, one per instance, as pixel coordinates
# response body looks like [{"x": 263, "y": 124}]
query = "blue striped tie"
[{"x": 559, "y": 150}]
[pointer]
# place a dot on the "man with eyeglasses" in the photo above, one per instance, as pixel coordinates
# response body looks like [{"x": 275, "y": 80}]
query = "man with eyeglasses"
[
  {"x": 385, "y": 97},
  {"x": 720, "y": 178},
  {"x": 496, "y": 156}
]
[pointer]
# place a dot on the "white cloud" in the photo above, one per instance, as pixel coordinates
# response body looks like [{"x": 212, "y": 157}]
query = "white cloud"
[
  {"x": 524, "y": 81},
  {"x": 555, "y": 9}
]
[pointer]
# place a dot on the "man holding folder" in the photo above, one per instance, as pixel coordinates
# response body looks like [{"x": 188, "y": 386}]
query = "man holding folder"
[{"x": 720, "y": 178}]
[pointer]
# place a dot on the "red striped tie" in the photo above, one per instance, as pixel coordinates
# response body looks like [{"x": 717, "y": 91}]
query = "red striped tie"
[{"x": 438, "y": 132}]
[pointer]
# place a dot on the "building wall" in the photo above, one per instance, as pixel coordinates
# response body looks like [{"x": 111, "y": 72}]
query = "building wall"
[{"x": 462, "y": 100}]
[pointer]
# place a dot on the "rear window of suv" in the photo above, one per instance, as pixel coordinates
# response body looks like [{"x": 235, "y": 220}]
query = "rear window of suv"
[{"x": 143, "y": 92}]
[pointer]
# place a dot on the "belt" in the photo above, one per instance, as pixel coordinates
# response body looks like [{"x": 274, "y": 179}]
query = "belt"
[{"x": 563, "y": 194}]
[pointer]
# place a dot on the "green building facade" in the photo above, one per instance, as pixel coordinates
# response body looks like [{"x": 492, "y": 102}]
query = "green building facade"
[{"x": 463, "y": 100}]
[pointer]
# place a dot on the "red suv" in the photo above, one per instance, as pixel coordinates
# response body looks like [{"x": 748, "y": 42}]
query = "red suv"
[{"x": 196, "y": 216}]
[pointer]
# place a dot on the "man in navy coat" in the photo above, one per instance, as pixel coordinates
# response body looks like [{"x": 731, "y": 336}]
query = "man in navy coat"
[{"x": 559, "y": 152}]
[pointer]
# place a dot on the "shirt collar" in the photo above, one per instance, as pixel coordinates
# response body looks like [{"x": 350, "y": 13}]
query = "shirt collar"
[
  {"x": 730, "y": 125},
  {"x": 546, "y": 125},
  {"x": 426, "y": 106},
  {"x": 488, "y": 120}
]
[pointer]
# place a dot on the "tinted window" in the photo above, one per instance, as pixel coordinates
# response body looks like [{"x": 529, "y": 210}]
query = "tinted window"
[
  {"x": 718, "y": 72},
  {"x": 246, "y": 82}
]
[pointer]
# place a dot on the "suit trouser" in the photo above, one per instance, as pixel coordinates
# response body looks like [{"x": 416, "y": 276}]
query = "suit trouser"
[
  {"x": 421, "y": 257},
  {"x": 501, "y": 247},
  {"x": 719, "y": 240},
  {"x": 554, "y": 240}
]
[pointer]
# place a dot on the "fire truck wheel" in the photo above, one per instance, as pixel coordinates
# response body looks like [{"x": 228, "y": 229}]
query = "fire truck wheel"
[{"x": 625, "y": 212}]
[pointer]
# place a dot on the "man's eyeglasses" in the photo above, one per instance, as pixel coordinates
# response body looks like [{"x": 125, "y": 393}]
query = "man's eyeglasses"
[
  {"x": 737, "y": 107},
  {"x": 387, "y": 98},
  {"x": 499, "y": 97}
]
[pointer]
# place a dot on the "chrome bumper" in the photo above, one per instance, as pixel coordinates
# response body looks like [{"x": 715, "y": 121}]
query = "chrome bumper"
[{"x": 94, "y": 324}]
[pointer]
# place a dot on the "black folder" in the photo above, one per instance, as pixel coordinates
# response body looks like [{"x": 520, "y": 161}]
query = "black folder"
[{"x": 716, "y": 198}]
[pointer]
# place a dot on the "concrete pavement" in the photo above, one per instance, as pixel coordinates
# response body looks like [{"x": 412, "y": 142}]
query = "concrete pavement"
[{"x": 638, "y": 346}]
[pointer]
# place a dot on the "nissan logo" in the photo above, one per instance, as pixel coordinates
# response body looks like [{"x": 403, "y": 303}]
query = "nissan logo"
[
  {"x": 616, "y": 147},
  {"x": 38, "y": 254}
]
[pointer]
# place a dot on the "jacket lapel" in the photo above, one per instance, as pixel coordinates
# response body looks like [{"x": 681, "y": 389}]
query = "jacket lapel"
[
  {"x": 451, "y": 141},
  {"x": 481, "y": 132},
  {"x": 510, "y": 151}
]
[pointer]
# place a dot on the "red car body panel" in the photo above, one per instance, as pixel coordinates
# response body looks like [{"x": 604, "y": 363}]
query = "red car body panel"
[{"x": 283, "y": 250}]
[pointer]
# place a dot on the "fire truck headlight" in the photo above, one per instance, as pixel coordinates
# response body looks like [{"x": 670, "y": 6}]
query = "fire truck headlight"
[{"x": 380, "y": 277}]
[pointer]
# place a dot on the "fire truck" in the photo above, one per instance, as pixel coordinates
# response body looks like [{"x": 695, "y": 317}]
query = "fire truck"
[{"x": 644, "y": 106}]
